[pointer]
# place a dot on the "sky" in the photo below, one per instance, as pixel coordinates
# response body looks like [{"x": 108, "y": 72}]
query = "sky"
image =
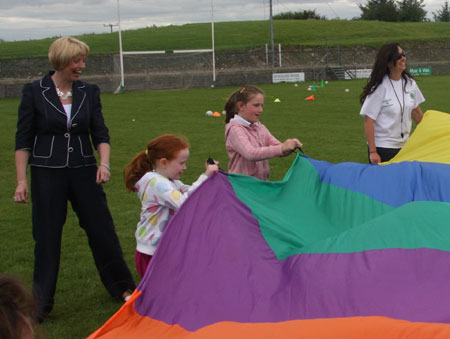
[{"x": 37, "y": 19}]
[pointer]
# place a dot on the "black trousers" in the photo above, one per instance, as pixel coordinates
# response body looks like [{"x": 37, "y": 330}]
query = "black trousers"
[
  {"x": 51, "y": 189},
  {"x": 385, "y": 154}
]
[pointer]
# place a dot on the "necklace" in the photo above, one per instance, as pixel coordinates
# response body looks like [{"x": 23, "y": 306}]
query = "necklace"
[
  {"x": 402, "y": 108},
  {"x": 63, "y": 95}
]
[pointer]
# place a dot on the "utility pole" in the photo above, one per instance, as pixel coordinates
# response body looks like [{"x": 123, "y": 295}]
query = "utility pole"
[
  {"x": 271, "y": 36},
  {"x": 122, "y": 77},
  {"x": 110, "y": 25},
  {"x": 212, "y": 42}
]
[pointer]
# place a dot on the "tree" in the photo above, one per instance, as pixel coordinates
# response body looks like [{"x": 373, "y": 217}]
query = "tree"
[
  {"x": 443, "y": 14},
  {"x": 411, "y": 10},
  {"x": 302, "y": 15},
  {"x": 383, "y": 10}
]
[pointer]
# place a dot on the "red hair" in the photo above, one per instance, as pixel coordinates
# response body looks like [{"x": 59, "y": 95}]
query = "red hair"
[{"x": 165, "y": 146}]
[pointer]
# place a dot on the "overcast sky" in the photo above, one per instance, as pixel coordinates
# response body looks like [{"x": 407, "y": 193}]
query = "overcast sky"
[{"x": 36, "y": 19}]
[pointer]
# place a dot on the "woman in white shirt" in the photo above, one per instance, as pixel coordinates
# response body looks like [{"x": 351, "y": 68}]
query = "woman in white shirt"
[{"x": 390, "y": 101}]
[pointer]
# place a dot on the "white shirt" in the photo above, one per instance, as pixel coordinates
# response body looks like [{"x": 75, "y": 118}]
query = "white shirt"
[
  {"x": 237, "y": 117},
  {"x": 385, "y": 107},
  {"x": 160, "y": 199},
  {"x": 68, "y": 109}
]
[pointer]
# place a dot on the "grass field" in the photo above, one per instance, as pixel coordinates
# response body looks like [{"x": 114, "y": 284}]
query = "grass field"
[
  {"x": 246, "y": 34},
  {"x": 329, "y": 127}
]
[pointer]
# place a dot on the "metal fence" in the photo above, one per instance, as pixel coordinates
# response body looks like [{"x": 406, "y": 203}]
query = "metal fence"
[{"x": 232, "y": 67}]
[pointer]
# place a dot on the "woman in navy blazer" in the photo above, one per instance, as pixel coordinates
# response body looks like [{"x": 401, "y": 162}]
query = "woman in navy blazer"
[{"x": 59, "y": 116}]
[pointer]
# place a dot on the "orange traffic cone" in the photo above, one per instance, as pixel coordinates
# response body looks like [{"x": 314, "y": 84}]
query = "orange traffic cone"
[{"x": 310, "y": 98}]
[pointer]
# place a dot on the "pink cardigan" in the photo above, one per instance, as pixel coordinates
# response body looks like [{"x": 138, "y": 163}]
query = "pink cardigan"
[{"x": 249, "y": 149}]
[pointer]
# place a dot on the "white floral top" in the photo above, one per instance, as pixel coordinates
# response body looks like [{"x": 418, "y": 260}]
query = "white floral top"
[{"x": 160, "y": 198}]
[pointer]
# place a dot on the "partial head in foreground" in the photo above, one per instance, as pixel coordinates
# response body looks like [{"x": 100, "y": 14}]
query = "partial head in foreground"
[{"x": 16, "y": 308}]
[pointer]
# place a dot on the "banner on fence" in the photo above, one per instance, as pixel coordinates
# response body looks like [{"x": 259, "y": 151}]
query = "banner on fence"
[
  {"x": 363, "y": 73},
  {"x": 420, "y": 70},
  {"x": 288, "y": 77}
]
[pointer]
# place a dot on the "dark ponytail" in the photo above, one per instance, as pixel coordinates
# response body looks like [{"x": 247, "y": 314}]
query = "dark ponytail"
[{"x": 244, "y": 95}]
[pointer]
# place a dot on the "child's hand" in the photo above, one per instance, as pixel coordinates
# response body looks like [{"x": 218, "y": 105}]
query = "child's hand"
[
  {"x": 210, "y": 169},
  {"x": 298, "y": 144},
  {"x": 290, "y": 145}
]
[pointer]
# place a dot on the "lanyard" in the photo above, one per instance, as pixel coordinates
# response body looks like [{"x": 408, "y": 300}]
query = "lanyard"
[{"x": 402, "y": 108}]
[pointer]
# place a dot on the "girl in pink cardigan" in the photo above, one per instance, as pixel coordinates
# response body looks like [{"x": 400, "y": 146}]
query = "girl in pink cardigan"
[{"x": 248, "y": 142}]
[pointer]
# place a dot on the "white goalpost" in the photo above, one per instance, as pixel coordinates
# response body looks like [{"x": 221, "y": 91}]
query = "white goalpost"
[{"x": 122, "y": 53}]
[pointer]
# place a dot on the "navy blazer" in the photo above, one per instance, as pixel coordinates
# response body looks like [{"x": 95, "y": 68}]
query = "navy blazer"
[{"x": 43, "y": 128}]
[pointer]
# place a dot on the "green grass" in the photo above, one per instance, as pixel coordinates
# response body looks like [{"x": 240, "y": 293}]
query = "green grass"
[
  {"x": 246, "y": 34},
  {"x": 330, "y": 128}
]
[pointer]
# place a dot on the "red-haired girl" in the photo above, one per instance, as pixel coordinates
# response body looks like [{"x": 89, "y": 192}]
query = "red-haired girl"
[{"x": 154, "y": 175}]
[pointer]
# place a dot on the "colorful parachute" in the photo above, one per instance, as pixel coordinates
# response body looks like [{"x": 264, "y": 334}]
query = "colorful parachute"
[{"x": 346, "y": 250}]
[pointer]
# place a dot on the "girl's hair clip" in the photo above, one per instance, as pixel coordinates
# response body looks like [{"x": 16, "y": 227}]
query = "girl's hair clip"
[
  {"x": 242, "y": 90},
  {"x": 146, "y": 151}
]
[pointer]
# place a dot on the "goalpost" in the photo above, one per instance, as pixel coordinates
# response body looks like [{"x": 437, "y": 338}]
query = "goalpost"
[{"x": 121, "y": 86}]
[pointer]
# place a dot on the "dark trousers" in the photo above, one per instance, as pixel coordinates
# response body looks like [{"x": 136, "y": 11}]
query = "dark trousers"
[
  {"x": 385, "y": 154},
  {"x": 51, "y": 189}
]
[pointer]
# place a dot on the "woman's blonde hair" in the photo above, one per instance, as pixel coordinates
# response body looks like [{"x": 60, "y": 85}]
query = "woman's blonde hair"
[{"x": 63, "y": 50}]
